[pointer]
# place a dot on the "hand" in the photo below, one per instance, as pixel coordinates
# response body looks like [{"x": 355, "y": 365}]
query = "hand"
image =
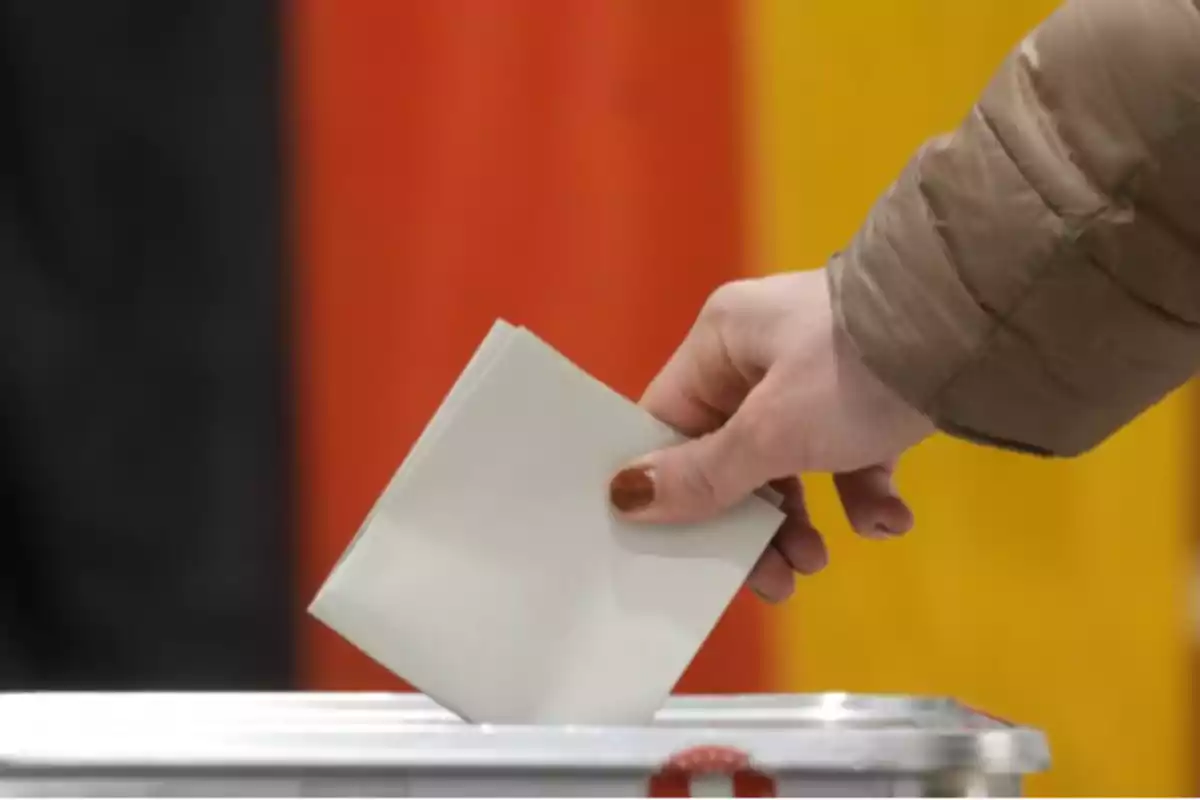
[{"x": 771, "y": 390}]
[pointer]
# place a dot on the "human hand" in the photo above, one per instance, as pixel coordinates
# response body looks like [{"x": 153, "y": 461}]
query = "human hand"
[{"x": 771, "y": 390}]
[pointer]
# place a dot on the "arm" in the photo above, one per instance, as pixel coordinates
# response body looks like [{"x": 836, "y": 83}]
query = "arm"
[{"x": 1033, "y": 279}]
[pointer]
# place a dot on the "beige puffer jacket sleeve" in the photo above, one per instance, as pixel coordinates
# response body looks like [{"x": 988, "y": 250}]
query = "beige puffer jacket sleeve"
[{"x": 1033, "y": 279}]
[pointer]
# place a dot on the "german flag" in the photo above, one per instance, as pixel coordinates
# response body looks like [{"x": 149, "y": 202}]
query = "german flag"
[{"x": 247, "y": 246}]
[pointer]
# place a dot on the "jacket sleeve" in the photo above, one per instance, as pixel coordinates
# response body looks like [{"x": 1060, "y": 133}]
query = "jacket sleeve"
[{"x": 1032, "y": 280}]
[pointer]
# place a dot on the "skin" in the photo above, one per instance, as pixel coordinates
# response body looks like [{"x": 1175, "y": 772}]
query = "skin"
[{"x": 770, "y": 390}]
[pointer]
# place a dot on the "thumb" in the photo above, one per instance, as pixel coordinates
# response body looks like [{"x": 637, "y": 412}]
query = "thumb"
[{"x": 691, "y": 481}]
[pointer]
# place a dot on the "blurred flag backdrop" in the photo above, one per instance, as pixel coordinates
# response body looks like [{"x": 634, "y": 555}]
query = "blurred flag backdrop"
[{"x": 592, "y": 169}]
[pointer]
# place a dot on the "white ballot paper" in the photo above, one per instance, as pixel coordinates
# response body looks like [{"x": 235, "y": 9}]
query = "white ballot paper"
[{"x": 492, "y": 574}]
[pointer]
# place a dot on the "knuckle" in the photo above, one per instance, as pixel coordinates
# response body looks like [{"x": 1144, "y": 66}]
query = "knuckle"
[
  {"x": 699, "y": 481},
  {"x": 724, "y": 300}
]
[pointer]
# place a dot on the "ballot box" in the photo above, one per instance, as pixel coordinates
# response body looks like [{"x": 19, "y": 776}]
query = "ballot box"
[{"x": 402, "y": 745}]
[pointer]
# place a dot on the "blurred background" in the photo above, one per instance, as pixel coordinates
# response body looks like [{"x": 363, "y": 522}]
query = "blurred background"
[{"x": 247, "y": 246}]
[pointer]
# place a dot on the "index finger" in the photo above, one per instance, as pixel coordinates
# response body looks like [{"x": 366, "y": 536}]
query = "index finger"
[{"x": 699, "y": 388}]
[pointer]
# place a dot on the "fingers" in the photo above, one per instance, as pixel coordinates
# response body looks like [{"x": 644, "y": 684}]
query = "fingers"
[
  {"x": 797, "y": 540},
  {"x": 701, "y": 392},
  {"x": 872, "y": 504},
  {"x": 695, "y": 396},
  {"x": 699, "y": 388},
  {"x": 772, "y": 578},
  {"x": 691, "y": 481},
  {"x": 796, "y": 548}
]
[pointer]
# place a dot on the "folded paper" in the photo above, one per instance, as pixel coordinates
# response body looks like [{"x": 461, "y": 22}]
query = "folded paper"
[{"x": 492, "y": 574}]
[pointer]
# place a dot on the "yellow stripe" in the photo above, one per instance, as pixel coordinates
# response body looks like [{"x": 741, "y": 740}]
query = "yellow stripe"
[{"x": 1052, "y": 593}]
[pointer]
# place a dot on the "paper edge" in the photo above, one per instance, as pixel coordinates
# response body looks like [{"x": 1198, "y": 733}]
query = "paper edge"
[
  {"x": 502, "y": 336},
  {"x": 497, "y": 340},
  {"x": 766, "y": 494},
  {"x": 493, "y": 344}
]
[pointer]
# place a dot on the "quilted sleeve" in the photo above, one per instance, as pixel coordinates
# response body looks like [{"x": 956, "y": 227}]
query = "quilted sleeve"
[{"x": 1032, "y": 280}]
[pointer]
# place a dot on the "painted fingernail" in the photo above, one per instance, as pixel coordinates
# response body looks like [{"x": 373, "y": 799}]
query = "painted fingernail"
[{"x": 631, "y": 489}]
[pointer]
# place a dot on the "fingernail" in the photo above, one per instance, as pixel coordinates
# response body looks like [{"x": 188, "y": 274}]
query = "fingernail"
[
  {"x": 631, "y": 489},
  {"x": 900, "y": 516},
  {"x": 884, "y": 529},
  {"x": 763, "y": 597}
]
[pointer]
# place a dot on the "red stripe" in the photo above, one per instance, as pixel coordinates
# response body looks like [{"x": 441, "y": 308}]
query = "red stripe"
[{"x": 572, "y": 166}]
